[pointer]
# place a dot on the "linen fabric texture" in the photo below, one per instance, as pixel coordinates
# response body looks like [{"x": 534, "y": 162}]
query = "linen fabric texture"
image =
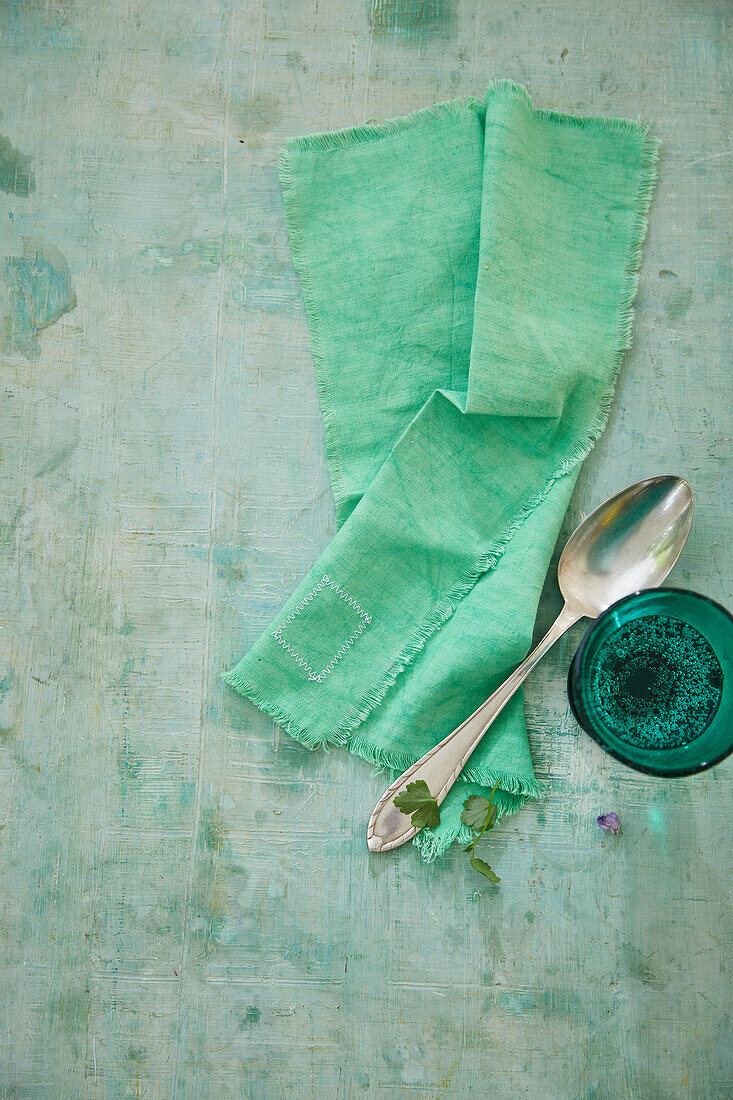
[{"x": 468, "y": 274}]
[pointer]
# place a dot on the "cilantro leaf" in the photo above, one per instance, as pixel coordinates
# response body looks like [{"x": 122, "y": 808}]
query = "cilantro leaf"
[
  {"x": 479, "y": 813},
  {"x": 483, "y": 868},
  {"x": 476, "y": 810},
  {"x": 416, "y": 800}
]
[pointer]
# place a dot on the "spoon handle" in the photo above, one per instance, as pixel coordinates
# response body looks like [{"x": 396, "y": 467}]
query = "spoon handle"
[{"x": 389, "y": 827}]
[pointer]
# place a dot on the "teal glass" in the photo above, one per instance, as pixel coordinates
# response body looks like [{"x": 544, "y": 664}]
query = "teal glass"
[{"x": 652, "y": 682}]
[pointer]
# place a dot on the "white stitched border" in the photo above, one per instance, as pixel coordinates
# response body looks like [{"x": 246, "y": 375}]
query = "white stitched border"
[{"x": 325, "y": 582}]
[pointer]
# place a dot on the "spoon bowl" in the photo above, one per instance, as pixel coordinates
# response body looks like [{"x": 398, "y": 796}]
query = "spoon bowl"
[{"x": 629, "y": 542}]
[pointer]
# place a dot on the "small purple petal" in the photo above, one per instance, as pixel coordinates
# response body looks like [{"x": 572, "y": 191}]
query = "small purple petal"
[{"x": 610, "y": 822}]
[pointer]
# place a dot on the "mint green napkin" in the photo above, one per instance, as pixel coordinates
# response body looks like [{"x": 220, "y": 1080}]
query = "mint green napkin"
[{"x": 468, "y": 274}]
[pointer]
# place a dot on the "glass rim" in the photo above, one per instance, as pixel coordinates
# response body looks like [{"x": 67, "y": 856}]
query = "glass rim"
[{"x": 660, "y": 772}]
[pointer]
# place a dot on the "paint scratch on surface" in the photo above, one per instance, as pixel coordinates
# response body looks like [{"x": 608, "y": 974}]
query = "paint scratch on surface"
[{"x": 39, "y": 291}]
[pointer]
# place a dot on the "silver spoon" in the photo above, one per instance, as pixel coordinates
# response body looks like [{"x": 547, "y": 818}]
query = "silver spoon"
[{"x": 629, "y": 542}]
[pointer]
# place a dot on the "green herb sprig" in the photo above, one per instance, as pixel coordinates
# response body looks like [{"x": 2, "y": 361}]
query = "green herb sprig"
[{"x": 480, "y": 814}]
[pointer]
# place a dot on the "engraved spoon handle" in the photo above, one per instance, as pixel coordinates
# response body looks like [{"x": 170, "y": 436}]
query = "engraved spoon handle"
[{"x": 389, "y": 827}]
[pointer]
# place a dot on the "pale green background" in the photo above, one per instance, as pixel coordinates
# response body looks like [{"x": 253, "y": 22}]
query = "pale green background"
[{"x": 187, "y": 907}]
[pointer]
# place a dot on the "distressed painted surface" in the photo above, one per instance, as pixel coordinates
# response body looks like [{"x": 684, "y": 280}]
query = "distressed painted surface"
[{"x": 187, "y": 907}]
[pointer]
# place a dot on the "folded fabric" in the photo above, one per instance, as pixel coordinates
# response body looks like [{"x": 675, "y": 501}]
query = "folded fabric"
[{"x": 468, "y": 274}]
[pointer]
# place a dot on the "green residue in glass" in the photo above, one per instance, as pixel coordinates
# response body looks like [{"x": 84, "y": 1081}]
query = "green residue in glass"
[{"x": 657, "y": 682}]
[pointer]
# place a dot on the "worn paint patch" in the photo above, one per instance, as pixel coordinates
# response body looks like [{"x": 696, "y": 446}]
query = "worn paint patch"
[
  {"x": 70, "y": 1010},
  {"x": 7, "y": 682},
  {"x": 16, "y": 176},
  {"x": 677, "y": 296},
  {"x": 212, "y": 829},
  {"x": 212, "y": 252},
  {"x": 209, "y": 253},
  {"x": 129, "y": 767},
  {"x": 58, "y": 459},
  {"x": 157, "y": 256},
  {"x": 8, "y": 704},
  {"x": 523, "y": 1001},
  {"x": 39, "y": 291},
  {"x": 209, "y": 899},
  {"x": 251, "y": 1017},
  {"x": 411, "y": 18},
  {"x": 255, "y": 115},
  {"x": 229, "y": 561},
  {"x": 641, "y": 967},
  {"x": 678, "y": 302}
]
